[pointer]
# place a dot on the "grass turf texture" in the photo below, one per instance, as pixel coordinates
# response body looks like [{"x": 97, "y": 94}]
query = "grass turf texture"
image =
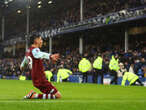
[{"x": 74, "y": 97}]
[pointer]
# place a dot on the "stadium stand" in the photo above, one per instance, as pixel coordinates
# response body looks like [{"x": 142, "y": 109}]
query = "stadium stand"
[
  {"x": 70, "y": 15},
  {"x": 103, "y": 12},
  {"x": 70, "y": 57}
]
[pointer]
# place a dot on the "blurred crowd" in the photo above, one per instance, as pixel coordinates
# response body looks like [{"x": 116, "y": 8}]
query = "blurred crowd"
[
  {"x": 70, "y": 57},
  {"x": 10, "y": 67},
  {"x": 92, "y": 8}
]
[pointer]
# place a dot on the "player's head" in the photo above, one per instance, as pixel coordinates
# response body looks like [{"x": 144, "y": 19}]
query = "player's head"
[{"x": 37, "y": 40}]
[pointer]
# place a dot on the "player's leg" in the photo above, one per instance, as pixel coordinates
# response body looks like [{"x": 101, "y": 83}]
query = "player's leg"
[
  {"x": 48, "y": 91},
  {"x": 34, "y": 95},
  {"x": 58, "y": 95},
  {"x": 46, "y": 96},
  {"x": 29, "y": 95}
]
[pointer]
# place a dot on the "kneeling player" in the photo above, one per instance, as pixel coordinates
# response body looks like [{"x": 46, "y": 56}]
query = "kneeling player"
[{"x": 34, "y": 58}]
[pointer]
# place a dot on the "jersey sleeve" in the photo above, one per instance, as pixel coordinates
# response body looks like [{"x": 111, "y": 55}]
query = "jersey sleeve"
[
  {"x": 40, "y": 55},
  {"x": 24, "y": 62}
]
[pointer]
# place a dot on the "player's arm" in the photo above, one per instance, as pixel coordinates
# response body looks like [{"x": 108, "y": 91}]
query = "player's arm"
[
  {"x": 40, "y": 55},
  {"x": 24, "y": 63},
  {"x": 43, "y": 55}
]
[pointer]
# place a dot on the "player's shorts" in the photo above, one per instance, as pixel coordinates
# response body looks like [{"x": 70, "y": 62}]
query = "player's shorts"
[{"x": 45, "y": 87}]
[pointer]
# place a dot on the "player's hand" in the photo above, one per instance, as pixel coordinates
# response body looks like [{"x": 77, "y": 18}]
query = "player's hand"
[
  {"x": 54, "y": 57},
  {"x": 21, "y": 68}
]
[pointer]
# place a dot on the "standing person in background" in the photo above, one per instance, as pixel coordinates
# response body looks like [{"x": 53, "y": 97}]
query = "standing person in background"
[
  {"x": 114, "y": 67},
  {"x": 34, "y": 59},
  {"x": 98, "y": 66},
  {"x": 84, "y": 66}
]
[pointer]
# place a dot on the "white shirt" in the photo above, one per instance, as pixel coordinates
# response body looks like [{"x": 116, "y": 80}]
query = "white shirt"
[
  {"x": 36, "y": 54},
  {"x": 39, "y": 54}
]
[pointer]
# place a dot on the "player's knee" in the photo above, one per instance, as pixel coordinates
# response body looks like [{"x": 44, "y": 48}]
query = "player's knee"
[
  {"x": 58, "y": 95},
  {"x": 36, "y": 85}
]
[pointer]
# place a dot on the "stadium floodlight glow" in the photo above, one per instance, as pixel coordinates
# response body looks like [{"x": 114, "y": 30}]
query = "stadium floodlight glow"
[
  {"x": 40, "y": 2},
  {"x": 39, "y": 6},
  {"x": 19, "y": 11},
  {"x": 6, "y": 2},
  {"x": 50, "y": 2},
  {"x": 7, "y": 5}
]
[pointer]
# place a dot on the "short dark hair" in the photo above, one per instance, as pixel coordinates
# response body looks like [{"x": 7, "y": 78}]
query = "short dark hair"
[{"x": 33, "y": 37}]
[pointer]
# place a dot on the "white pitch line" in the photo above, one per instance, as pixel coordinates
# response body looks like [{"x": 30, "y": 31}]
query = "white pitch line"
[{"x": 69, "y": 101}]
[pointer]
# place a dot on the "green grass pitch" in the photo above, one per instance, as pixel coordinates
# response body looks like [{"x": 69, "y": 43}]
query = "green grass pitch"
[{"x": 74, "y": 97}]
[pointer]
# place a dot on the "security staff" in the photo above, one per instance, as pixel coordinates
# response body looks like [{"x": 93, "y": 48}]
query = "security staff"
[
  {"x": 114, "y": 67},
  {"x": 22, "y": 78},
  {"x": 97, "y": 65},
  {"x": 84, "y": 66},
  {"x": 48, "y": 75},
  {"x": 63, "y": 75},
  {"x": 132, "y": 78}
]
